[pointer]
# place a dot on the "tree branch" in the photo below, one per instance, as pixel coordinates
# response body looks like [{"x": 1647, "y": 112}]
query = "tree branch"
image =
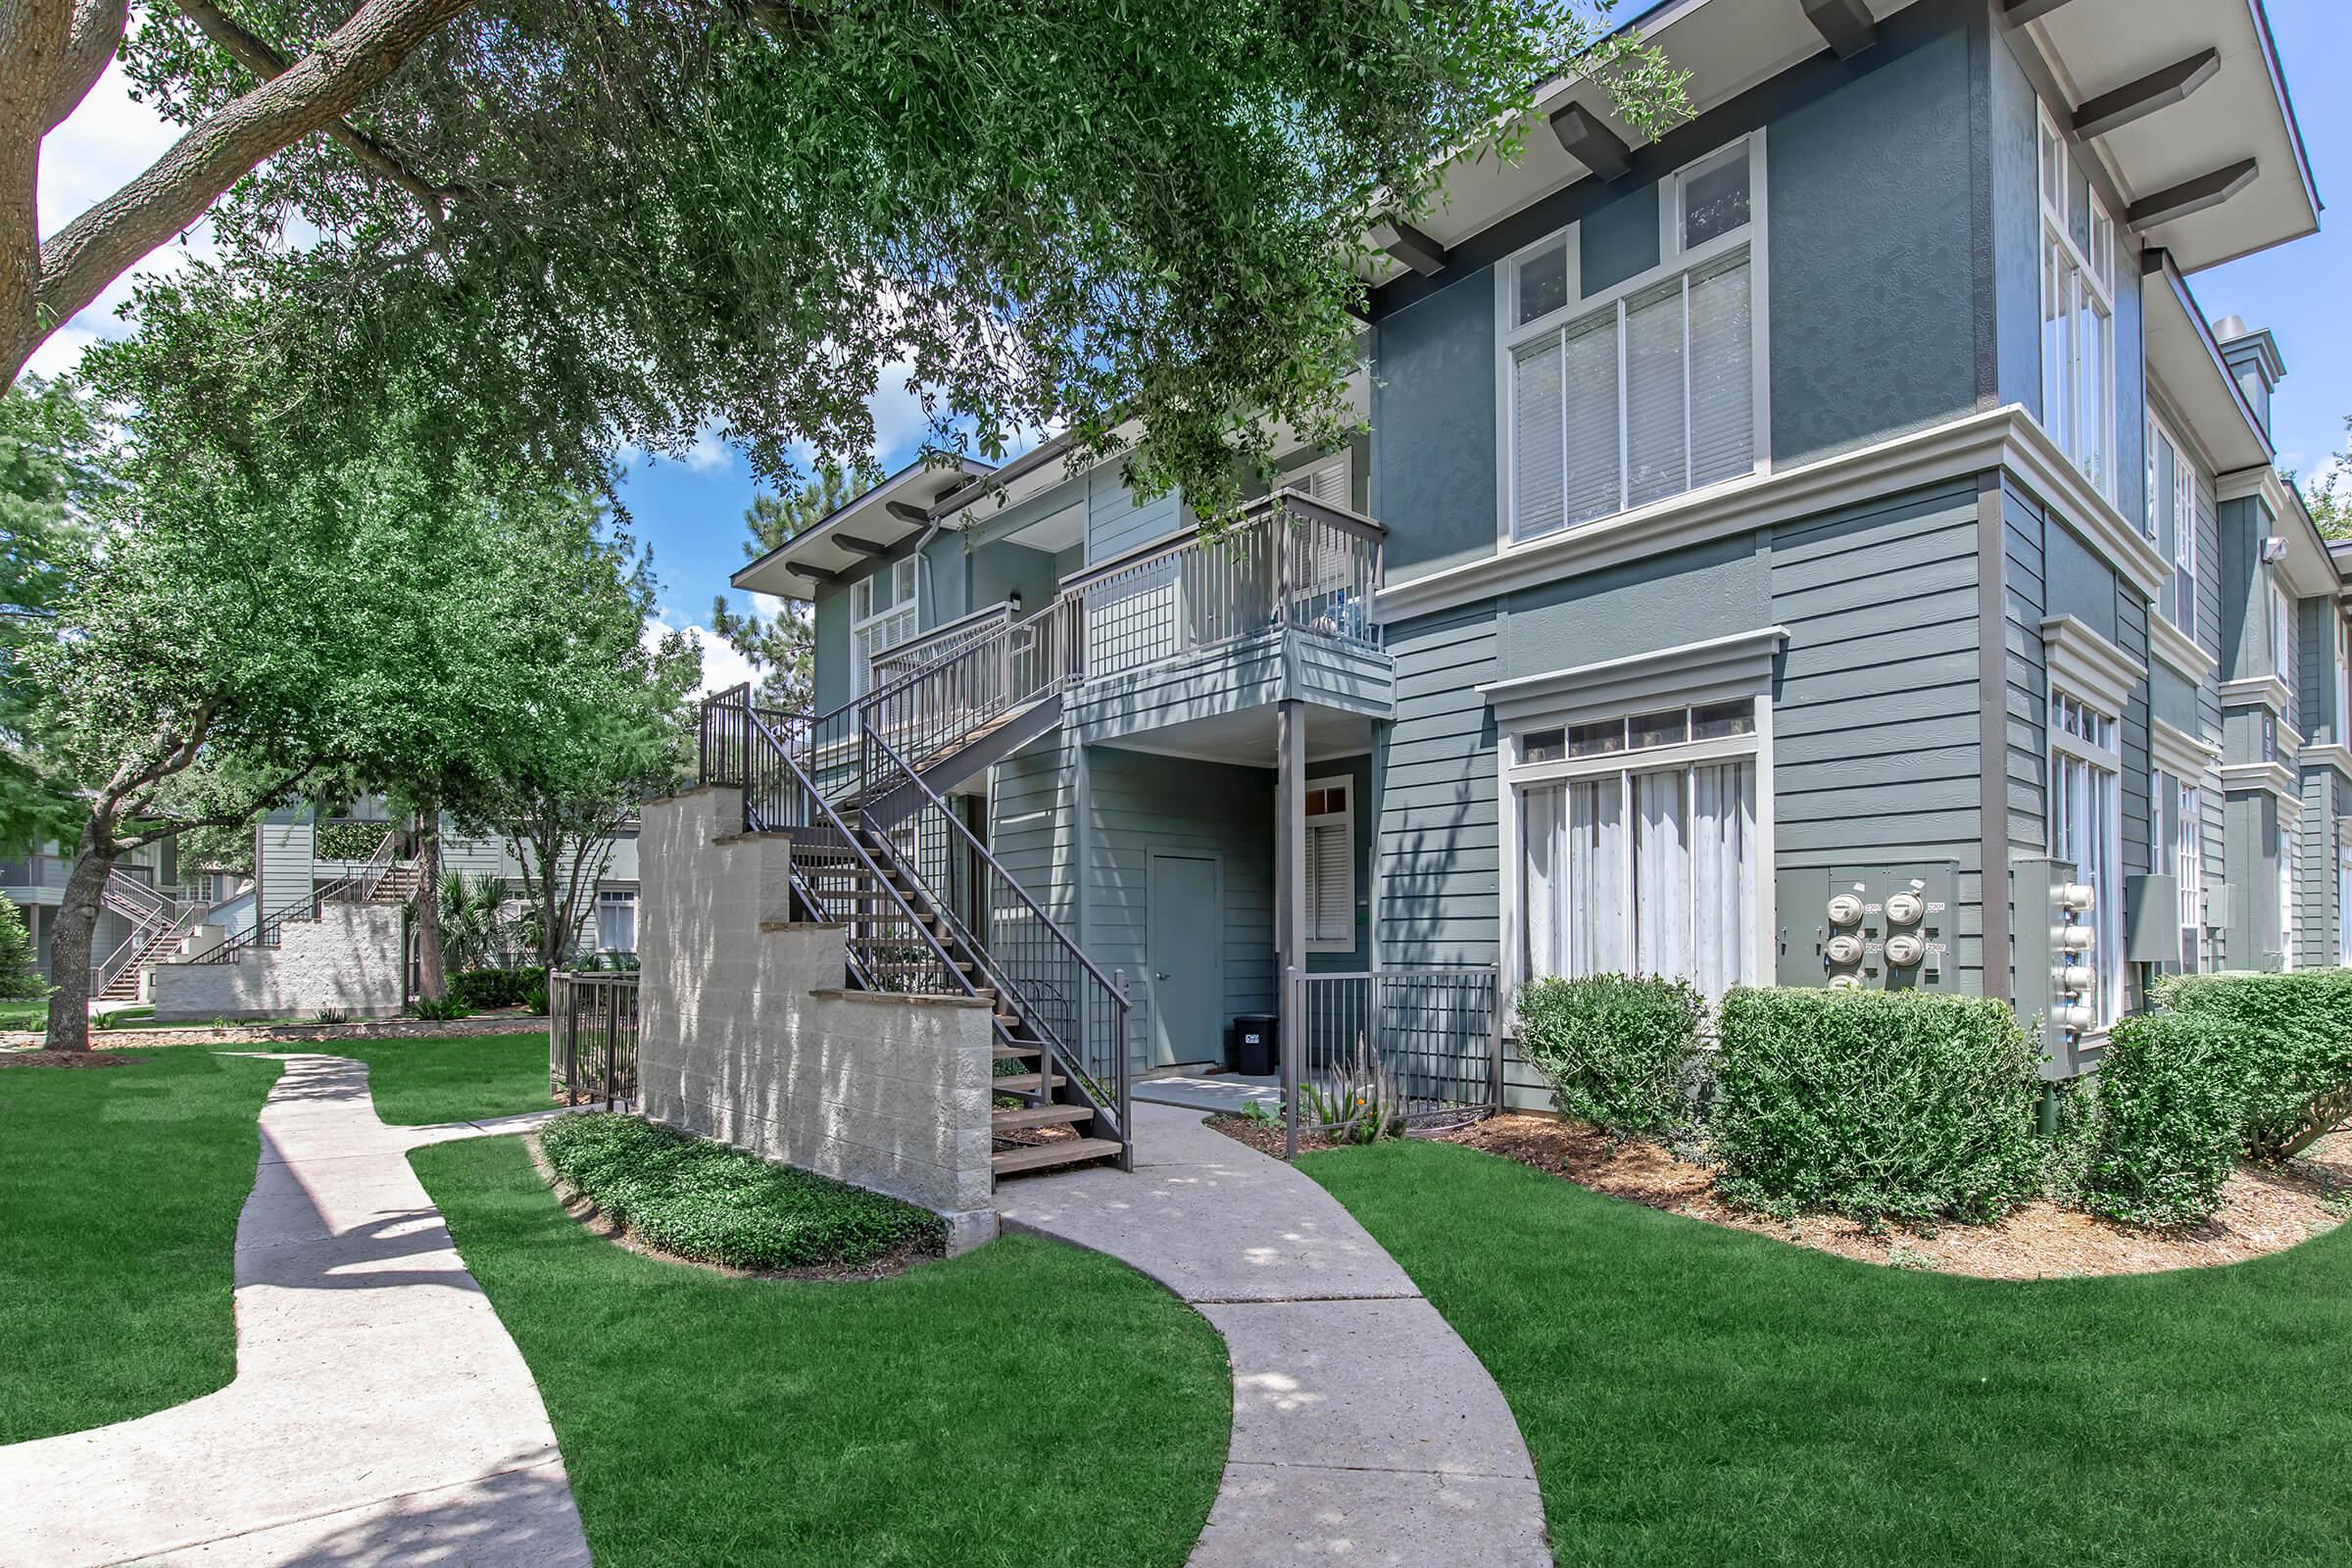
[
  {"x": 267, "y": 64},
  {"x": 97, "y": 33},
  {"x": 78, "y": 261},
  {"x": 35, "y": 38},
  {"x": 255, "y": 805}
]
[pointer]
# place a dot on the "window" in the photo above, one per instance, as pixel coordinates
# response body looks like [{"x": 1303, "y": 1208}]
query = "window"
[
  {"x": 882, "y": 609},
  {"x": 616, "y": 920},
  {"x": 1641, "y": 838},
  {"x": 2343, "y": 905},
  {"x": 2178, "y": 838},
  {"x": 1330, "y": 865},
  {"x": 2085, "y": 828},
  {"x": 2171, "y": 523},
  {"x": 2077, "y": 314},
  {"x": 1646, "y": 389},
  {"x": 2286, "y": 899},
  {"x": 2343, "y": 681}
]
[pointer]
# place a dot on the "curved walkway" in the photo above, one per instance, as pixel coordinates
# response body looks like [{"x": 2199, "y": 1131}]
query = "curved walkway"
[
  {"x": 380, "y": 1414},
  {"x": 1365, "y": 1431}
]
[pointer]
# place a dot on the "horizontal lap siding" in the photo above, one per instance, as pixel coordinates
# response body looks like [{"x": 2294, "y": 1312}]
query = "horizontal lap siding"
[
  {"x": 1228, "y": 679},
  {"x": 1033, "y": 827},
  {"x": 1875, "y": 753},
  {"x": 1437, "y": 877}
]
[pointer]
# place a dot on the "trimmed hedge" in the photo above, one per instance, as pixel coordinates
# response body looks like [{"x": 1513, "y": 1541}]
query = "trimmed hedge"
[
  {"x": 2290, "y": 1039},
  {"x": 1876, "y": 1104},
  {"x": 2171, "y": 1100},
  {"x": 494, "y": 988},
  {"x": 718, "y": 1204},
  {"x": 1619, "y": 1051}
]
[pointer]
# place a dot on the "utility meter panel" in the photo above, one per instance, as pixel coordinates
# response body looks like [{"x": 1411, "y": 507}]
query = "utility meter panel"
[
  {"x": 2057, "y": 917},
  {"x": 1879, "y": 927}
]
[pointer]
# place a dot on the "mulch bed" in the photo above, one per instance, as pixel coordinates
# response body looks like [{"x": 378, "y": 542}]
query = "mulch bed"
[
  {"x": 1266, "y": 1137},
  {"x": 2265, "y": 1209},
  {"x": 63, "y": 1058}
]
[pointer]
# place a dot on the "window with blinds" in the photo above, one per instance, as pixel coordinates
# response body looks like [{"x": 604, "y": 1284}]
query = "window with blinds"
[
  {"x": 2171, "y": 523},
  {"x": 1330, "y": 865},
  {"x": 1652, "y": 393}
]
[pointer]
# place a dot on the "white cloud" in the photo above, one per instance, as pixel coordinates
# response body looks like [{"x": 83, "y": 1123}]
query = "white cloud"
[
  {"x": 723, "y": 666},
  {"x": 708, "y": 454}
]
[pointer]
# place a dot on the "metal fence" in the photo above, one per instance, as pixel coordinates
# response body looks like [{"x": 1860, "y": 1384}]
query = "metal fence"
[
  {"x": 1436, "y": 1034},
  {"x": 592, "y": 1037}
]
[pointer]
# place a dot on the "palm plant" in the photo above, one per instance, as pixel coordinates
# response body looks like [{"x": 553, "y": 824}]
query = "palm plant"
[{"x": 476, "y": 929}]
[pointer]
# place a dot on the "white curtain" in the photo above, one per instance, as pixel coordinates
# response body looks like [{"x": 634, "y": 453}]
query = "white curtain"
[
  {"x": 1594, "y": 911},
  {"x": 1662, "y": 933},
  {"x": 1724, "y": 875},
  {"x": 1543, "y": 830}
]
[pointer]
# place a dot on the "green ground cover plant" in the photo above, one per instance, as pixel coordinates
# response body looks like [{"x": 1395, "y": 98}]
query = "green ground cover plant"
[
  {"x": 714, "y": 1203},
  {"x": 1704, "y": 1397},
  {"x": 1620, "y": 1052},
  {"x": 120, "y": 1188},
  {"x": 1026, "y": 1405}
]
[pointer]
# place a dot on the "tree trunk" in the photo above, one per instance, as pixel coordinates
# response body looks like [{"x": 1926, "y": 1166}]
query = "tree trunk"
[
  {"x": 432, "y": 975},
  {"x": 69, "y": 944}
]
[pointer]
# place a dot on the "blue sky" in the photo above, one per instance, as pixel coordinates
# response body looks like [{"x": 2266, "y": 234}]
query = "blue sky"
[{"x": 690, "y": 511}]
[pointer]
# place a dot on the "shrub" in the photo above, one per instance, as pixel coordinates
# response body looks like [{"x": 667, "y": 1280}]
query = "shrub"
[
  {"x": 1620, "y": 1050},
  {"x": 718, "y": 1204},
  {"x": 2292, "y": 1035},
  {"x": 330, "y": 1016},
  {"x": 493, "y": 988},
  {"x": 2170, "y": 1101},
  {"x": 1876, "y": 1104},
  {"x": 19, "y": 965},
  {"x": 349, "y": 841},
  {"x": 1360, "y": 1103},
  {"x": 534, "y": 997},
  {"x": 445, "y": 1011}
]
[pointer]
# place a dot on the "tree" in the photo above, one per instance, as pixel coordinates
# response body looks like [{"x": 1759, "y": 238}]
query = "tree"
[
  {"x": 474, "y": 927},
  {"x": 19, "y": 965},
  {"x": 610, "y": 727},
  {"x": 784, "y": 644},
  {"x": 47, "y": 477},
  {"x": 2329, "y": 499},
  {"x": 1143, "y": 223}
]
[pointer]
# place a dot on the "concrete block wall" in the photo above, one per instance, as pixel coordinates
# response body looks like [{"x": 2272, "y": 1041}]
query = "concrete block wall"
[
  {"x": 348, "y": 959},
  {"x": 745, "y": 1034}
]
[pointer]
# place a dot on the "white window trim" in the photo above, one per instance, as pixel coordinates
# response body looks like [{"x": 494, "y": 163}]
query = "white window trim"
[
  {"x": 2093, "y": 670},
  {"x": 2107, "y": 953},
  {"x": 2056, "y": 223},
  {"x": 2282, "y": 662},
  {"x": 1754, "y": 236},
  {"x": 861, "y": 666},
  {"x": 1719, "y": 670},
  {"x": 2344, "y": 900},
  {"x": 2183, "y": 560},
  {"x": 1346, "y": 819}
]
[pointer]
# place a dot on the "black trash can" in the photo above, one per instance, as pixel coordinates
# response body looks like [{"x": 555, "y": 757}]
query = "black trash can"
[{"x": 1257, "y": 1044}]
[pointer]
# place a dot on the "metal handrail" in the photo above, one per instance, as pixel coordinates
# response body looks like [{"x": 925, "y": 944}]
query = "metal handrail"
[
  {"x": 943, "y": 640},
  {"x": 987, "y": 677},
  {"x": 1016, "y": 991},
  {"x": 143, "y": 941},
  {"x": 268, "y": 930},
  {"x": 133, "y": 898}
]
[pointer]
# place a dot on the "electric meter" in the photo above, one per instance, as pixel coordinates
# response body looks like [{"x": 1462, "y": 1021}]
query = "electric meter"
[
  {"x": 1905, "y": 909},
  {"x": 2075, "y": 1017},
  {"x": 1905, "y": 949},
  {"x": 2079, "y": 897},
  {"x": 1845, "y": 910},
  {"x": 1843, "y": 948},
  {"x": 2078, "y": 977},
  {"x": 1845, "y": 982},
  {"x": 2076, "y": 938}
]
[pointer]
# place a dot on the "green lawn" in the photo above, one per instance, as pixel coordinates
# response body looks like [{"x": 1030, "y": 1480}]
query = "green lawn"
[
  {"x": 1698, "y": 1395},
  {"x": 420, "y": 1082},
  {"x": 1023, "y": 1404},
  {"x": 23, "y": 1014},
  {"x": 120, "y": 1188}
]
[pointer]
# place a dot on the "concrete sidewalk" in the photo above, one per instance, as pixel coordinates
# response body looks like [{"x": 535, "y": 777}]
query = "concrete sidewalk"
[
  {"x": 1363, "y": 1428},
  {"x": 380, "y": 1413}
]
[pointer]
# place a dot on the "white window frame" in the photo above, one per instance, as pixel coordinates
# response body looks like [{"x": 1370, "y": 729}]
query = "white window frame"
[
  {"x": 614, "y": 898},
  {"x": 2101, "y": 756},
  {"x": 1345, "y": 820},
  {"x": 2100, "y": 283},
  {"x": 1674, "y": 259},
  {"x": 2185, "y": 849},
  {"x": 2344, "y": 901},
  {"x": 2185, "y": 510},
  {"x": 2286, "y": 898},
  {"x": 905, "y": 603},
  {"x": 2343, "y": 680},
  {"x": 1520, "y": 775},
  {"x": 2283, "y": 663}
]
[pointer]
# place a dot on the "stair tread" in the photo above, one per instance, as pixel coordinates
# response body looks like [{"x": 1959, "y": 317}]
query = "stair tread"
[
  {"x": 1016, "y": 1053},
  {"x": 1044, "y": 1156},
  {"x": 1022, "y": 1083},
  {"x": 1040, "y": 1115}
]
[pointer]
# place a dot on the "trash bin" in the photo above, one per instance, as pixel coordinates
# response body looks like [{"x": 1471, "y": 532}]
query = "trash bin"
[{"x": 1257, "y": 1044}]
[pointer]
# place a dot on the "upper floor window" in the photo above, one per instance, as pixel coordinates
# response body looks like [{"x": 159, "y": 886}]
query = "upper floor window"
[
  {"x": 1646, "y": 388},
  {"x": 2077, "y": 314},
  {"x": 2170, "y": 523},
  {"x": 882, "y": 611}
]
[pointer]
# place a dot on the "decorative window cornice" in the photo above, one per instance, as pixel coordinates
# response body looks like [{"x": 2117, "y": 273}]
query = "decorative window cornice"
[
  {"x": 2188, "y": 758},
  {"x": 2267, "y": 690},
  {"x": 2178, "y": 649},
  {"x": 2272, "y": 778},
  {"x": 1738, "y": 665},
  {"x": 2089, "y": 665}
]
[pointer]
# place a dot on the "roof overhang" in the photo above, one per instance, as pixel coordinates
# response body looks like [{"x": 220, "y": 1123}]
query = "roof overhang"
[
  {"x": 2184, "y": 358},
  {"x": 842, "y": 546},
  {"x": 1728, "y": 46},
  {"x": 2183, "y": 165},
  {"x": 2308, "y": 566}
]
